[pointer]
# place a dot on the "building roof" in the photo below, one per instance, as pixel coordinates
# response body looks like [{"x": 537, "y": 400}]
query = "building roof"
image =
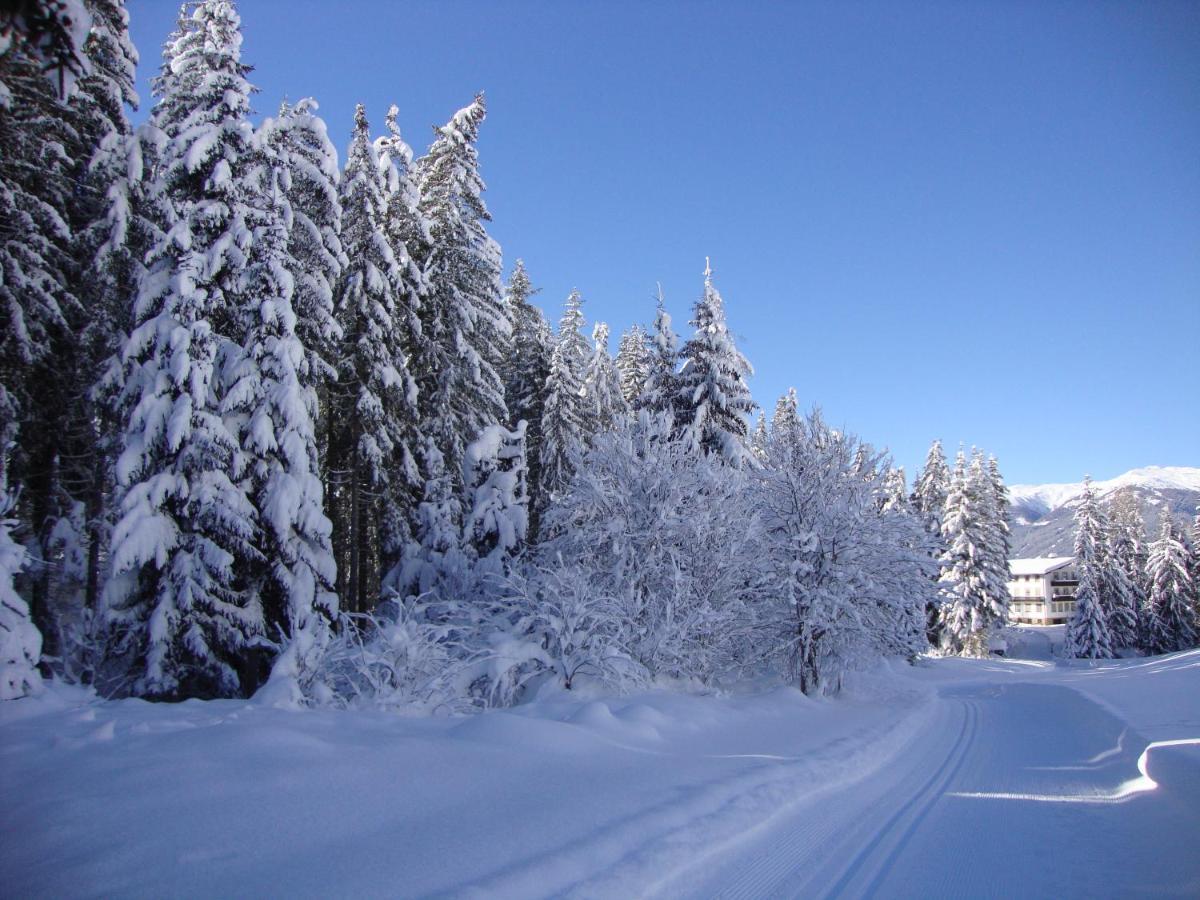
[{"x": 1038, "y": 565}]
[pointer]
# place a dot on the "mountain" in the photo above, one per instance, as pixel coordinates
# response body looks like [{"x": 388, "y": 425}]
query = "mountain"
[{"x": 1043, "y": 514}]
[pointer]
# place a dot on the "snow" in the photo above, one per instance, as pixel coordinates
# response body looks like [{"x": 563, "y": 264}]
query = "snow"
[
  {"x": 1042, "y": 773},
  {"x": 1051, "y": 496}
]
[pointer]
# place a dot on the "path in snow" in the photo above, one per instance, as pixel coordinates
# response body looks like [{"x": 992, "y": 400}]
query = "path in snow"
[{"x": 1015, "y": 790}]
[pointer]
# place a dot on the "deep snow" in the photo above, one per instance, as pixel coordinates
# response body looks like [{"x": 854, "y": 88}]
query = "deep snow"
[{"x": 955, "y": 777}]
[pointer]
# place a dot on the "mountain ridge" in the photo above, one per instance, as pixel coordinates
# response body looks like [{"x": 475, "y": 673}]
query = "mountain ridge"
[{"x": 1043, "y": 514}]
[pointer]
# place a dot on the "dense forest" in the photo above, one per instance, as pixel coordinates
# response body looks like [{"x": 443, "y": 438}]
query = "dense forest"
[{"x": 275, "y": 420}]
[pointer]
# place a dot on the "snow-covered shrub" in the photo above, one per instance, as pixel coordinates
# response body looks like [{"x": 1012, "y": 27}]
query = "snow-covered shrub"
[
  {"x": 850, "y": 574},
  {"x": 664, "y": 534},
  {"x": 395, "y": 659},
  {"x": 20, "y": 641},
  {"x": 570, "y": 626}
]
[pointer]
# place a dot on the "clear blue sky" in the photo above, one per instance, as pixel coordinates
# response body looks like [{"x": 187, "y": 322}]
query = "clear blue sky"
[{"x": 966, "y": 220}]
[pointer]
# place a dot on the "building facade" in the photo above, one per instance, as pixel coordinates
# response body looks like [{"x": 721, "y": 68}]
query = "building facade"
[{"x": 1042, "y": 590}]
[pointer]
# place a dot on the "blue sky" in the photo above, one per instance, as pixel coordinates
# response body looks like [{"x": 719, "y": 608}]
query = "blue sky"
[{"x": 966, "y": 220}]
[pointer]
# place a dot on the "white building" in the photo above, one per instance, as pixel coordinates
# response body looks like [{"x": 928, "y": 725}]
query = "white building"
[{"x": 1042, "y": 590}]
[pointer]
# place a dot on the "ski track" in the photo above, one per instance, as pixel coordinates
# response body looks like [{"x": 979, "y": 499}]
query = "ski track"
[{"x": 855, "y": 849}]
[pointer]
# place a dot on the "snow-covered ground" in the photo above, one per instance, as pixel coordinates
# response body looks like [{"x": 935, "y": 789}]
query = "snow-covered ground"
[{"x": 1019, "y": 777}]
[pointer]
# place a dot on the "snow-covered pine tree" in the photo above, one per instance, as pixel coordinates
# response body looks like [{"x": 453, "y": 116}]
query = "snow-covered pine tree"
[
  {"x": 1170, "y": 616},
  {"x": 434, "y": 559},
  {"x": 928, "y": 502},
  {"x": 39, "y": 308},
  {"x": 660, "y": 388},
  {"x": 52, "y": 34},
  {"x": 564, "y": 422},
  {"x": 271, "y": 395},
  {"x": 713, "y": 398},
  {"x": 308, "y": 175},
  {"x": 990, "y": 487},
  {"x": 965, "y": 614},
  {"x": 1088, "y": 634},
  {"x": 1127, "y": 551},
  {"x": 931, "y": 489},
  {"x": 633, "y": 363},
  {"x": 1003, "y": 513},
  {"x": 526, "y": 375},
  {"x": 603, "y": 401},
  {"x": 20, "y": 641},
  {"x": 494, "y": 470},
  {"x": 464, "y": 315},
  {"x": 760, "y": 437},
  {"x": 372, "y": 468},
  {"x": 178, "y": 605},
  {"x": 894, "y": 493},
  {"x": 113, "y": 234}
]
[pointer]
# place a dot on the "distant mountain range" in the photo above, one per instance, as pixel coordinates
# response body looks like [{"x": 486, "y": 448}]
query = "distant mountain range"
[{"x": 1043, "y": 514}]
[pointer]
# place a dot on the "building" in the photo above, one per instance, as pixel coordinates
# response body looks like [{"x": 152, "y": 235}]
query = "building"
[{"x": 1042, "y": 590}]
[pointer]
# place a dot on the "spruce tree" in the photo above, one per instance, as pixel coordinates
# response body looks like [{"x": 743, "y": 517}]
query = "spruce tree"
[
  {"x": 39, "y": 308},
  {"x": 272, "y": 398},
  {"x": 713, "y": 399},
  {"x": 20, "y": 640},
  {"x": 660, "y": 387},
  {"x": 760, "y": 437},
  {"x": 604, "y": 404},
  {"x": 114, "y": 232},
  {"x": 633, "y": 363},
  {"x": 372, "y": 468},
  {"x": 994, "y": 561},
  {"x": 526, "y": 375},
  {"x": 182, "y": 612},
  {"x": 931, "y": 489},
  {"x": 464, "y": 315},
  {"x": 966, "y": 613},
  {"x": 564, "y": 423},
  {"x": 1171, "y": 616},
  {"x": 1088, "y": 634},
  {"x": 308, "y": 176},
  {"x": 1127, "y": 552}
]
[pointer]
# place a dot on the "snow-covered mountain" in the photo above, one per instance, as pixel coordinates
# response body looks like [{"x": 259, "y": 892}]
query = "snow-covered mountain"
[{"x": 1043, "y": 514}]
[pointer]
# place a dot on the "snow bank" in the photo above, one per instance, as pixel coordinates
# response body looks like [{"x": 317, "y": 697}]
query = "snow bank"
[{"x": 227, "y": 798}]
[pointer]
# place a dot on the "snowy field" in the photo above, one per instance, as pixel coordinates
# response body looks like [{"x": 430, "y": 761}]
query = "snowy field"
[{"x": 1019, "y": 777}]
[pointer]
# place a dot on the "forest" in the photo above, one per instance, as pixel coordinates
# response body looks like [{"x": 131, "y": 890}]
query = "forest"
[{"x": 272, "y": 420}]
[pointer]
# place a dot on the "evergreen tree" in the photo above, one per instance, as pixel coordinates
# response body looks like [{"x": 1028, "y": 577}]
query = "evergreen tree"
[
  {"x": 182, "y": 612},
  {"x": 39, "y": 307},
  {"x": 20, "y": 640},
  {"x": 526, "y": 376},
  {"x": 464, "y": 316},
  {"x": 660, "y": 387},
  {"x": 308, "y": 175},
  {"x": 114, "y": 231},
  {"x": 564, "y": 423},
  {"x": 372, "y": 466},
  {"x": 1170, "y": 614},
  {"x": 603, "y": 401},
  {"x": 931, "y": 489},
  {"x": 760, "y": 437},
  {"x": 713, "y": 398},
  {"x": 1127, "y": 553},
  {"x": 497, "y": 522},
  {"x": 272, "y": 397},
  {"x": 966, "y": 613},
  {"x": 990, "y": 488},
  {"x": 1088, "y": 634},
  {"x": 633, "y": 363}
]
